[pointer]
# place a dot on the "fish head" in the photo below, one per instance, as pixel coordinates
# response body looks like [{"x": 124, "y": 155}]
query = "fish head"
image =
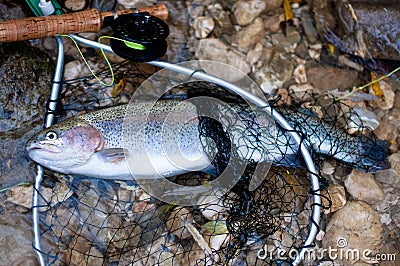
[{"x": 65, "y": 145}]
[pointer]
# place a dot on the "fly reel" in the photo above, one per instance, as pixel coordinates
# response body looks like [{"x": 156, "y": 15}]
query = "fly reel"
[{"x": 139, "y": 37}]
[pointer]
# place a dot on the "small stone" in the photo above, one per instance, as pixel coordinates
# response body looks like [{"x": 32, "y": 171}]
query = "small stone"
[
  {"x": 89, "y": 35},
  {"x": 300, "y": 90},
  {"x": 363, "y": 186},
  {"x": 75, "y": 5},
  {"x": 309, "y": 28},
  {"x": 216, "y": 50},
  {"x": 278, "y": 71},
  {"x": 251, "y": 34},
  {"x": 203, "y": 26},
  {"x": 364, "y": 117},
  {"x": 394, "y": 161},
  {"x": 287, "y": 42},
  {"x": 255, "y": 54},
  {"x": 397, "y": 100},
  {"x": 388, "y": 131},
  {"x": 272, "y": 6},
  {"x": 246, "y": 11},
  {"x": 391, "y": 176},
  {"x": 330, "y": 78},
  {"x": 127, "y": 4},
  {"x": 273, "y": 23},
  {"x": 218, "y": 241},
  {"x": 302, "y": 50},
  {"x": 328, "y": 168},
  {"x": 385, "y": 102},
  {"x": 72, "y": 70},
  {"x": 299, "y": 74},
  {"x": 22, "y": 196},
  {"x": 176, "y": 223},
  {"x": 320, "y": 235},
  {"x": 337, "y": 196},
  {"x": 345, "y": 61},
  {"x": 49, "y": 43},
  {"x": 385, "y": 218},
  {"x": 355, "y": 226}
]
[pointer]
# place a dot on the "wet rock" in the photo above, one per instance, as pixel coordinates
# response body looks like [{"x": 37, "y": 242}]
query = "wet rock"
[
  {"x": 363, "y": 186},
  {"x": 246, "y": 11},
  {"x": 329, "y": 78},
  {"x": 363, "y": 29},
  {"x": 10, "y": 11},
  {"x": 203, "y": 26},
  {"x": 250, "y": 35},
  {"x": 16, "y": 238},
  {"x": 355, "y": 226},
  {"x": 25, "y": 83},
  {"x": 214, "y": 49}
]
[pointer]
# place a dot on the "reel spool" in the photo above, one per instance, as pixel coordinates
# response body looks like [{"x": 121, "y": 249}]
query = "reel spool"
[{"x": 143, "y": 37}]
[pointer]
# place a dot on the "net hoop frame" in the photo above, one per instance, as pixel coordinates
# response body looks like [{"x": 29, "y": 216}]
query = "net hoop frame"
[{"x": 49, "y": 120}]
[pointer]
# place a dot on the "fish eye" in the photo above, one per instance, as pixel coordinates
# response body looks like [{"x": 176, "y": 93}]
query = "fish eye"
[{"x": 51, "y": 135}]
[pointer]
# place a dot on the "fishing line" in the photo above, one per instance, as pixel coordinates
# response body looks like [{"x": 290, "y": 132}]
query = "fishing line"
[
  {"x": 130, "y": 44},
  {"x": 366, "y": 85},
  {"x": 25, "y": 184}
]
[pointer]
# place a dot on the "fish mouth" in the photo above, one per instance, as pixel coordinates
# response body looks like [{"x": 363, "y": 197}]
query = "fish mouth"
[{"x": 46, "y": 147}]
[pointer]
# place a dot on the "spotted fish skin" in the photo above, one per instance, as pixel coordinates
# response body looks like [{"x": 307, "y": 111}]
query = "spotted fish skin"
[
  {"x": 104, "y": 157},
  {"x": 361, "y": 152},
  {"x": 94, "y": 144}
]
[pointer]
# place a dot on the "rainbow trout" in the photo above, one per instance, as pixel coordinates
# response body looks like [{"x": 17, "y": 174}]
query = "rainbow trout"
[{"x": 92, "y": 144}]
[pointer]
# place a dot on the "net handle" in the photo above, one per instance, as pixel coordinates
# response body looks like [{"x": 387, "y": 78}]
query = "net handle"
[{"x": 85, "y": 21}]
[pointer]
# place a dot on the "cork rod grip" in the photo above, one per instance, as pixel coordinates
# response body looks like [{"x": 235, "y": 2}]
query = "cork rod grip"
[{"x": 84, "y": 21}]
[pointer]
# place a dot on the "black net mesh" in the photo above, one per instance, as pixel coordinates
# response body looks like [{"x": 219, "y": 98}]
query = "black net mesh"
[{"x": 99, "y": 222}]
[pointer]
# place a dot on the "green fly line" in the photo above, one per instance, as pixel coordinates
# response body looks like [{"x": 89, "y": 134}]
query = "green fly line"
[
  {"x": 25, "y": 184},
  {"x": 133, "y": 45},
  {"x": 366, "y": 85}
]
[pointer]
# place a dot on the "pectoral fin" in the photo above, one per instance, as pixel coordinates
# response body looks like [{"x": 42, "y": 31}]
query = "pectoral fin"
[{"x": 113, "y": 155}]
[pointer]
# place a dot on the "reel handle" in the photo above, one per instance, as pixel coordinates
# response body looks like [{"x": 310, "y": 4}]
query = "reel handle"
[{"x": 85, "y": 21}]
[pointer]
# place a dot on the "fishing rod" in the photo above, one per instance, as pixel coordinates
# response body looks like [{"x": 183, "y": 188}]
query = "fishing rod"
[
  {"x": 139, "y": 34},
  {"x": 84, "y": 21}
]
